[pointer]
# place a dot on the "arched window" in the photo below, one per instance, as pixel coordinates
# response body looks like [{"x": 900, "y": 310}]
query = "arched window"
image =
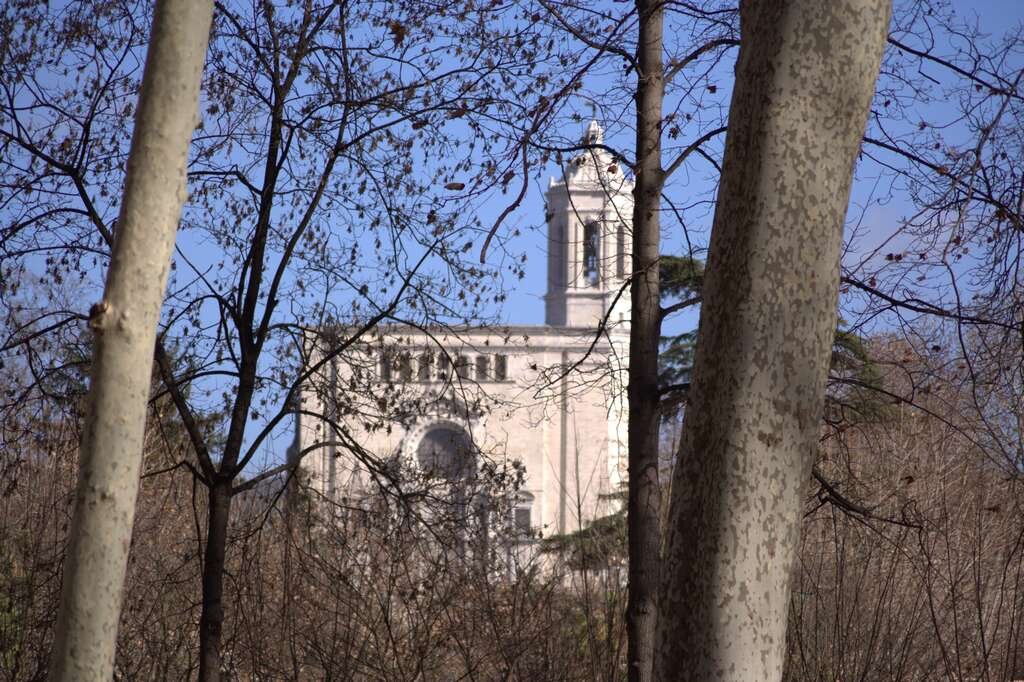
[
  {"x": 591, "y": 253},
  {"x": 447, "y": 453}
]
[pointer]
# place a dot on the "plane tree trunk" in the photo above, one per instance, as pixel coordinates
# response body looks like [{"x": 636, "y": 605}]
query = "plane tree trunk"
[
  {"x": 805, "y": 77},
  {"x": 124, "y": 327}
]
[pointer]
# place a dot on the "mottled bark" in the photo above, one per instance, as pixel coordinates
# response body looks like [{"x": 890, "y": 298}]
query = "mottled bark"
[
  {"x": 644, "y": 528},
  {"x": 124, "y": 324},
  {"x": 804, "y": 81}
]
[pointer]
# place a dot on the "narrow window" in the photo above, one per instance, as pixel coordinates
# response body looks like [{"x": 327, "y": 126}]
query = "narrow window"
[
  {"x": 500, "y": 367},
  {"x": 522, "y": 516},
  {"x": 385, "y": 366},
  {"x": 562, "y": 250},
  {"x": 620, "y": 257},
  {"x": 482, "y": 507},
  {"x": 462, "y": 366},
  {"x": 426, "y": 364},
  {"x": 591, "y": 247},
  {"x": 444, "y": 365},
  {"x": 483, "y": 368},
  {"x": 405, "y": 366},
  {"x": 523, "y": 521}
]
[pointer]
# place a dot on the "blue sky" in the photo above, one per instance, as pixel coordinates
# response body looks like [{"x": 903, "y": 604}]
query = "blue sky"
[
  {"x": 525, "y": 304},
  {"x": 694, "y": 183}
]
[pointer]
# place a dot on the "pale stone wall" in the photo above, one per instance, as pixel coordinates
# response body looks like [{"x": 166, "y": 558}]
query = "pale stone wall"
[{"x": 569, "y": 434}]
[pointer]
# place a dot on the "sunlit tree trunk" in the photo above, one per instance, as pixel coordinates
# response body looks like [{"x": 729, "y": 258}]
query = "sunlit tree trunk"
[
  {"x": 644, "y": 505},
  {"x": 804, "y": 82},
  {"x": 124, "y": 324}
]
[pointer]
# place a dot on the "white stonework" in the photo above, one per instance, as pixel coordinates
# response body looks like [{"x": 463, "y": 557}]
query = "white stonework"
[{"x": 549, "y": 396}]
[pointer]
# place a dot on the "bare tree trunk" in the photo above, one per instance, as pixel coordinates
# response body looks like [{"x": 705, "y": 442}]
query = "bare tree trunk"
[
  {"x": 124, "y": 324},
  {"x": 211, "y": 620},
  {"x": 644, "y": 528},
  {"x": 805, "y": 77}
]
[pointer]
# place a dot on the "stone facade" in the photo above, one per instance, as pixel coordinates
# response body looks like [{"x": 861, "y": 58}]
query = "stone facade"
[{"x": 551, "y": 397}]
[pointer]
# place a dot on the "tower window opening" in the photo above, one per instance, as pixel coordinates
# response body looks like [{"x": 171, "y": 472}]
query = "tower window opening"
[
  {"x": 591, "y": 248},
  {"x": 564, "y": 259},
  {"x": 386, "y": 364},
  {"x": 444, "y": 364},
  {"x": 500, "y": 367}
]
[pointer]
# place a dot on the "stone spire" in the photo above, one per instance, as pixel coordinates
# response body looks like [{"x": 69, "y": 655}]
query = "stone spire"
[{"x": 595, "y": 168}]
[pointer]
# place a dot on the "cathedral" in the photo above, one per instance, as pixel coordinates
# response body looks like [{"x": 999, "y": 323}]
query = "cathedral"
[{"x": 549, "y": 399}]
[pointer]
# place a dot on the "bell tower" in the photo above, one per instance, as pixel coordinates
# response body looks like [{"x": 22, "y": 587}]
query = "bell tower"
[{"x": 590, "y": 237}]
